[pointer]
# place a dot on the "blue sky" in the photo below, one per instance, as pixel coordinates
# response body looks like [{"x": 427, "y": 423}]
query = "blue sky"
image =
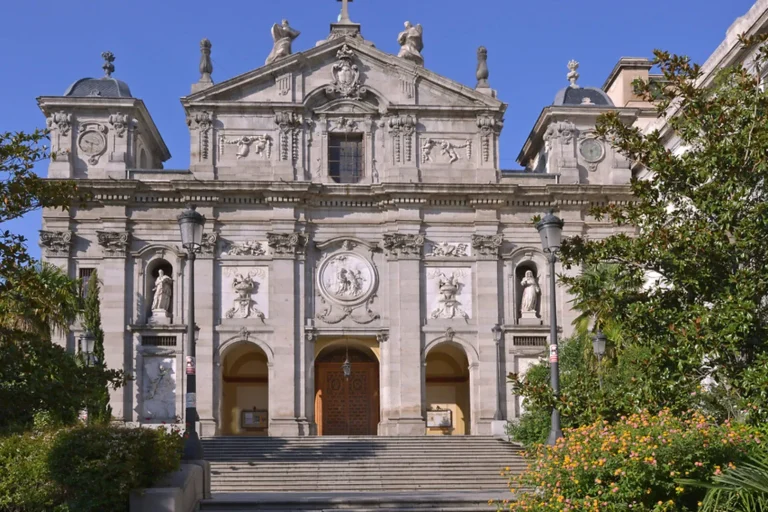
[{"x": 46, "y": 45}]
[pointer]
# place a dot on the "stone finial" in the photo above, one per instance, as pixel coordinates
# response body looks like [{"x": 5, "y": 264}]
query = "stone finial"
[
  {"x": 206, "y": 66},
  {"x": 482, "y": 68},
  {"x": 573, "y": 75},
  {"x": 108, "y": 67}
]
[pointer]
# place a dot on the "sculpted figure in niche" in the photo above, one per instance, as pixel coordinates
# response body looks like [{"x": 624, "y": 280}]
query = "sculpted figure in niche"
[
  {"x": 163, "y": 290},
  {"x": 283, "y": 35},
  {"x": 411, "y": 43},
  {"x": 531, "y": 292}
]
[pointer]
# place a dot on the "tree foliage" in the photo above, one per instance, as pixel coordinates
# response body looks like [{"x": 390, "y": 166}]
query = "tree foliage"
[
  {"x": 699, "y": 228},
  {"x": 99, "y": 410}
]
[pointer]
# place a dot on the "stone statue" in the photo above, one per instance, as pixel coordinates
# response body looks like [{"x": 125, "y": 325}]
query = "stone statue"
[
  {"x": 531, "y": 292},
  {"x": 411, "y": 43},
  {"x": 283, "y": 35},
  {"x": 163, "y": 290}
]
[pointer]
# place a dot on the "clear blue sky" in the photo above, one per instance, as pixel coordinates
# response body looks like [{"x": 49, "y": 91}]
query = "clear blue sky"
[{"x": 46, "y": 45}]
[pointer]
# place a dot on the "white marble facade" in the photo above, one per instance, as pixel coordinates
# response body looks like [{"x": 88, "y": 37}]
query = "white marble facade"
[{"x": 426, "y": 244}]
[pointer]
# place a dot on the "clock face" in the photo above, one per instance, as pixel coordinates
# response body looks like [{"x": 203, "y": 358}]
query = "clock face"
[
  {"x": 591, "y": 150},
  {"x": 92, "y": 143}
]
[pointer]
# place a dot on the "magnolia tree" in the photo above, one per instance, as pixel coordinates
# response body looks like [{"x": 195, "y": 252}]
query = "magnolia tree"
[{"x": 700, "y": 222}]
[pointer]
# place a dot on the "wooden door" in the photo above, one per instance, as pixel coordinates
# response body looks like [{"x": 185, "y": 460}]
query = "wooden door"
[{"x": 347, "y": 406}]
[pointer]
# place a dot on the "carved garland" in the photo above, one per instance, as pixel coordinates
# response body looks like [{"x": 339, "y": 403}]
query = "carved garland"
[
  {"x": 488, "y": 126},
  {"x": 60, "y": 120},
  {"x": 290, "y": 124},
  {"x": 398, "y": 244},
  {"x": 119, "y": 123}
]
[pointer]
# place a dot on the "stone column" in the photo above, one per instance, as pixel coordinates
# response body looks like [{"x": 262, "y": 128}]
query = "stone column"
[
  {"x": 405, "y": 367},
  {"x": 115, "y": 242},
  {"x": 206, "y": 298},
  {"x": 488, "y": 293},
  {"x": 284, "y": 399}
]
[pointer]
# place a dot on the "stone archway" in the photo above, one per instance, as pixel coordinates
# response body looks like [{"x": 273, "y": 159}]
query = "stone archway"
[
  {"x": 346, "y": 405},
  {"x": 244, "y": 390},
  {"x": 447, "y": 390}
]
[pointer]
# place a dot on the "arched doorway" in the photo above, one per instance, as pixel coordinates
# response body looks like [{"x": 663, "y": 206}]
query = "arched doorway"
[
  {"x": 346, "y": 406},
  {"x": 245, "y": 391},
  {"x": 447, "y": 389}
]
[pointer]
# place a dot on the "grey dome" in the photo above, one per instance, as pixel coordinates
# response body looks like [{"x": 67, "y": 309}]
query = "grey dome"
[
  {"x": 582, "y": 96},
  {"x": 104, "y": 87}
]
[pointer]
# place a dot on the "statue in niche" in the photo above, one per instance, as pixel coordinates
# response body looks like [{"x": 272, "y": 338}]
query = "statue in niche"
[
  {"x": 283, "y": 35},
  {"x": 163, "y": 290},
  {"x": 411, "y": 43},
  {"x": 531, "y": 293}
]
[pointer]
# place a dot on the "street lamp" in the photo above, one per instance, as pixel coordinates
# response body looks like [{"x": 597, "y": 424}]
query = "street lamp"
[
  {"x": 497, "y": 332},
  {"x": 87, "y": 344},
  {"x": 550, "y": 229},
  {"x": 191, "y": 226},
  {"x": 599, "y": 341}
]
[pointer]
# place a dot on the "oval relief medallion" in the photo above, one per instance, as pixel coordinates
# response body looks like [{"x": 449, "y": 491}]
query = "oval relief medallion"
[{"x": 346, "y": 279}]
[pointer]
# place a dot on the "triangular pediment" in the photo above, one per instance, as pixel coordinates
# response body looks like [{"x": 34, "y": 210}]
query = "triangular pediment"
[{"x": 384, "y": 79}]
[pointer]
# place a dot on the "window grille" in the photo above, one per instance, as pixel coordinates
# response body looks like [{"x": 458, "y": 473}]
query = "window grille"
[
  {"x": 85, "y": 276},
  {"x": 529, "y": 341},
  {"x": 345, "y": 157},
  {"x": 159, "y": 341}
]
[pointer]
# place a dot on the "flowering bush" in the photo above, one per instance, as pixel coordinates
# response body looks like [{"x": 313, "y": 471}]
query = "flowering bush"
[{"x": 631, "y": 465}]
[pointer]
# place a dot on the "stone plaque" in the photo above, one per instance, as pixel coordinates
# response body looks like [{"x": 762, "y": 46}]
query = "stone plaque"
[
  {"x": 439, "y": 419},
  {"x": 159, "y": 389}
]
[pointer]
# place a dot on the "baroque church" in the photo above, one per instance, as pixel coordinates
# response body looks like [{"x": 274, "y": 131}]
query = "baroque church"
[{"x": 367, "y": 268}]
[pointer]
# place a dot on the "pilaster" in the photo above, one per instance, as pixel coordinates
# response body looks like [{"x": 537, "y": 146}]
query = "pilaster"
[{"x": 206, "y": 297}]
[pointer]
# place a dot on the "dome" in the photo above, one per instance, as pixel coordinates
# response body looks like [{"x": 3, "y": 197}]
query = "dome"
[
  {"x": 584, "y": 96},
  {"x": 574, "y": 95},
  {"x": 104, "y": 87}
]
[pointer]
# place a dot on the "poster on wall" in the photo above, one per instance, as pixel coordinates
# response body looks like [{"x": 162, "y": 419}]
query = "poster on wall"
[
  {"x": 256, "y": 419},
  {"x": 439, "y": 419}
]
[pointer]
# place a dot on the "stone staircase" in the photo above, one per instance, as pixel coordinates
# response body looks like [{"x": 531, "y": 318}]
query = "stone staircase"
[{"x": 458, "y": 473}]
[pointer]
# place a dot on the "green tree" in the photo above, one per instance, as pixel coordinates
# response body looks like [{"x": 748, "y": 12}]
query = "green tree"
[
  {"x": 699, "y": 227},
  {"x": 99, "y": 410}
]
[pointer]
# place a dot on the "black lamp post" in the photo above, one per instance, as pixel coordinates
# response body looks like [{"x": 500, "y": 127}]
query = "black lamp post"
[
  {"x": 497, "y": 332},
  {"x": 191, "y": 225},
  {"x": 551, "y": 230},
  {"x": 87, "y": 344},
  {"x": 599, "y": 341}
]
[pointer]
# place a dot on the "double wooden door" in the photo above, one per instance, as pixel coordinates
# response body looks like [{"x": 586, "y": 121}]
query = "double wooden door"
[{"x": 347, "y": 406}]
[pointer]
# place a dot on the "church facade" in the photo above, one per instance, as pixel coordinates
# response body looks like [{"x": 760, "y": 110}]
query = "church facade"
[{"x": 366, "y": 269}]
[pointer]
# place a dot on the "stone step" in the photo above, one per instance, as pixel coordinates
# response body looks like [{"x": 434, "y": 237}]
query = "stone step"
[{"x": 450, "y": 501}]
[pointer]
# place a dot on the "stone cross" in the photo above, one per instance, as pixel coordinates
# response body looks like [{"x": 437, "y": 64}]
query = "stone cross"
[{"x": 345, "y": 11}]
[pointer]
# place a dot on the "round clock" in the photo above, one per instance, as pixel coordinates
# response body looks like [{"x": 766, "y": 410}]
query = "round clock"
[
  {"x": 92, "y": 143},
  {"x": 591, "y": 150}
]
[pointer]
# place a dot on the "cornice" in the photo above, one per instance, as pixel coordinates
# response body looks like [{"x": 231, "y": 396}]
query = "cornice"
[{"x": 376, "y": 197}]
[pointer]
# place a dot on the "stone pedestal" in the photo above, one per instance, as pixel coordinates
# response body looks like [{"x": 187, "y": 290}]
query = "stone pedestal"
[
  {"x": 160, "y": 317},
  {"x": 529, "y": 318}
]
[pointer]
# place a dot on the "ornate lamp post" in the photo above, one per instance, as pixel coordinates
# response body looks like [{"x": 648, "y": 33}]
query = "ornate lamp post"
[
  {"x": 191, "y": 225},
  {"x": 550, "y": 229},
  {"x": 497, "y": 332},
  {"x": 87, "y": 344},
  {"x": 599, "y": 341}
]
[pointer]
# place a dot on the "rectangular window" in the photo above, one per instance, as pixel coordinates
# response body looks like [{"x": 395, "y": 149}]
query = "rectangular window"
[
  {"x": 85, "y": 276},
  {"x": 345, "y": 157},
  {"x": 158, "y": 341}
]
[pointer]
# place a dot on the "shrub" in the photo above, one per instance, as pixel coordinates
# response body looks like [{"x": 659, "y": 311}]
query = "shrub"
[
  {"x": 632, "y": 464},
  {"x": 83, "y": 469}
]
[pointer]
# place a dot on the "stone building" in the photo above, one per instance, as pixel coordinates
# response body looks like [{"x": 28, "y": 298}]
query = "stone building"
[{"x": 356, "y": 211}]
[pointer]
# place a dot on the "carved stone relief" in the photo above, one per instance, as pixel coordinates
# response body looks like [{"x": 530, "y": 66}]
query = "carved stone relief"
[
  {"x": 449, "y": 250},
  {"x": 208, "y": 245},
  {"x": 92, "y": 141},
  {"x": 346, "y": 285},
  {"x": 119, "y": 123},
  {"x": 247, "y": 248},
  {"x": 260, "y": 145},
  {"x": 346, "y": 76},
  {"x": 287, "y": 244},
  {"x": 159, "y": 388},
  {"x": 449, "y": 293},
  {"x": 114, "y": 243},
  {"x": 56, "y": 243},
  {"x": 247, "y": 290},
  {"x": 488, "y": 126},
  {"x": 405, "y": 127},
  {"x": 290, "y": 124},
  {"x": 61, "y": 121},
  {"x": 203, "y": 122},
  {"x": 446, "y": 150},
  {"x": 399, "y": 244},
  {"x": 487, "y": 245}
]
